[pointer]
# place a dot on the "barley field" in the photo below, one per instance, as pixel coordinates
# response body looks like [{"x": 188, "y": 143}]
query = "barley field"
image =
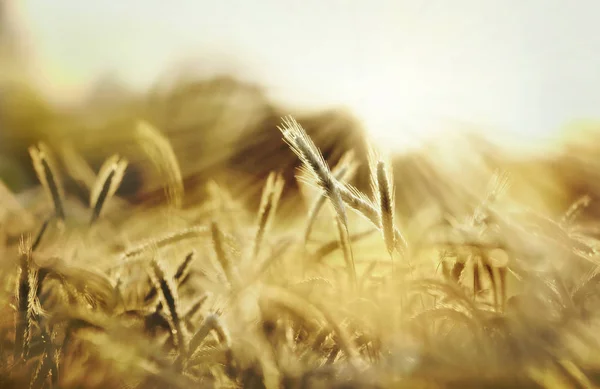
[
  {"x": 282, "y": 250},
  {"x": 202, "y": 235}
]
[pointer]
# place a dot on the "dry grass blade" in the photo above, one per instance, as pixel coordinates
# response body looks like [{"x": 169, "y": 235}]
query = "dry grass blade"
[
  {"x": 194, "y": 308},
  {"x": 575, "y": 209},
  {"x": 210, "y": 323},
  {"x": 166, "y": 240},
  {"x": 158, "y": 243},
  {"x": 47, "y": 365},
  {"x": 160, "y": 152},
  {"x": 84, "y": 281},
  {"x": 42, "y": 371},
  {"x": 184, "y": 268},
  {"x": 169, "y": 298},
  {"x": 445, "y": 291},
  {"x": 218, "y": 241},
  {"x": 108, "y": 181},
  {"x": 40, "y": 235},
  {"x": 311, "y": 311},
  {"x": 46, "y": 171},
  {"x": 268, "y": 206}
]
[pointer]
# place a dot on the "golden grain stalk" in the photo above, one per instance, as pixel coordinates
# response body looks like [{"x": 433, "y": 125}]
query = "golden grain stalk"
[
  {"x": 384, "y": 190},
  {"x": 167, "y": 292},
  {"x": 108, "y": 181},
  {"x": 219, "y": 245},
  {"x": 160, "y": 152},
  {"x": 46, "y": 171},
  {"x": 210, "y": 323},
  {"x": 312, "y": 161},
  {"x": 25, "y": 294},
  {"x": 363, "y": 205},
  {"x": 345, "y": 169}
]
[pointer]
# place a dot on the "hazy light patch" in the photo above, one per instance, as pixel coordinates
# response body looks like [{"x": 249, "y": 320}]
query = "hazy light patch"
[{"x": 518, "y": 70}]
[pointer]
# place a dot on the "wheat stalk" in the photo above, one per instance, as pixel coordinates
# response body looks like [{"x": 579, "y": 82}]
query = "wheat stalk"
[
  {"x": 344, "y": 170},
  {"x": 385, "y": 195},
  {"x": 46, "y": 172},
  {"x": 359, "y": 202},
  {"x": 221, "y": 253},
  {"x": 167, "y": 239},
  {"x": 180, "y": 275},
  {"x": 25, "y": 295},
  {"x": 210, "y": 323},
  {"x": 159, "y": 150},
  {"x": 308, "y": 311},
  {"x": 108, "y": 181},
  {"x": 169, "y": 298},
  {"x": 312, "y": 159}
]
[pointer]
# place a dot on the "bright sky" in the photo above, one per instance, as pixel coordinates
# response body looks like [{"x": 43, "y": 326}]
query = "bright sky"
[{"x": 520, "y": 67}]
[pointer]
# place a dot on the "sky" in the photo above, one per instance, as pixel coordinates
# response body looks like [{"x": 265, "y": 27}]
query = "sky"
[{"x": 518, "y": 69}]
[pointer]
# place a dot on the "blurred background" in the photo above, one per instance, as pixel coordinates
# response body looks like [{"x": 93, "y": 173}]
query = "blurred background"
[{"x": 453, "y": 89}]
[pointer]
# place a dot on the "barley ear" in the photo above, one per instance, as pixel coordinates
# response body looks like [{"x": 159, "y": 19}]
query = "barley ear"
[
  {"x": 108, "y": 181},
  {"x": 159, "y": 150},
  {"x": 26, "y": 289},
  {"x": 218, "y": 241},
  {"x": 362, "y": 204},
  {"x": 184, "y": 268},
  {"x": 196, "y": 306},
  {"x": 210, "y": 323},
  {"x": 180, "y": 275},
  {"x": 345, "y": 169},
  {"x": 47, "y": 365},
  {"x": 165, "y": 240},
  {"x": 312, "y": 159},
  {"x": 386, "y": 206},
  {"x": 167, "y": 293},
  {"x": 46, "y": 171}
]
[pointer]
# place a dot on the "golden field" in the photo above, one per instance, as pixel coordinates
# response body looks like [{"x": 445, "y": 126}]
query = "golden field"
[{"x": 193, "y": 237}]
